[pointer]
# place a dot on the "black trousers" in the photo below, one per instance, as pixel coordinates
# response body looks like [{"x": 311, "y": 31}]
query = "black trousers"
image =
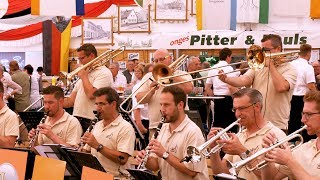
[
  {"x": 223, "y": 115},
  {"x": 85, "y": 123},
  {"x": 143, "y": 143},
  {"x": 295, "y": 117}
]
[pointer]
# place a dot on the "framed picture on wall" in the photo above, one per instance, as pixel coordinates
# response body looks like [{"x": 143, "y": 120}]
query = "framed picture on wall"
[
  {"x": 193, "y": 7},
  {"x": 97, "y": 30},
  {"x": 171, "y": 10},
  {"x": 133, "y": 19}
]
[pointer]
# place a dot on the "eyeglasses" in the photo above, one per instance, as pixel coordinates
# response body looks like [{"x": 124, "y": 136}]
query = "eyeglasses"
[
  {"x": 307, "y": 115},
  {"x": 242, "y": 108},
  {"x": 81, "y": 58},
  {"x": 161, "y": 59},
  {"x": 267, "y": 49},
  {"x": 101, "y": 104}
]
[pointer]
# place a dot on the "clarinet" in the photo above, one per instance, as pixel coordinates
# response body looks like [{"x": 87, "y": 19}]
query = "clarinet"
[
  {"x": 90, "y": 128},
  {"x": 142, "y": 165},
  {"x": 35, "y": 137}
]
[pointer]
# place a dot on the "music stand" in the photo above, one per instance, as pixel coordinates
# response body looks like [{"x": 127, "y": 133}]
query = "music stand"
[
  {"x": 126, "y": 117},
  {"x": 30, "y": 161},
  {"x": 31, "y": 118},
  {"x": 142, "y": 174}
]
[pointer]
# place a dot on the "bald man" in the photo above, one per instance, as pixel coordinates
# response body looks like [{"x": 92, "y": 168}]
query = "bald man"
[{"x": 316, "y": 67}]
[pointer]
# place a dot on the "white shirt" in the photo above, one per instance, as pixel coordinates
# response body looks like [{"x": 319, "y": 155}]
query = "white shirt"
[
  {"x": 143, "y": 107},
  {"x": 34, "y": 93},
  {"x": 219, "y": 87},
  {"x": 305, "y": 75},
  {"x": 119, "y": 81},
  {"x": 8, "y": 86}
]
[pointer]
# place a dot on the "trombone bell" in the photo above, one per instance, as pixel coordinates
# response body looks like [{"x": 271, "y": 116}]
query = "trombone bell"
[{"x": 160, "y": 71}]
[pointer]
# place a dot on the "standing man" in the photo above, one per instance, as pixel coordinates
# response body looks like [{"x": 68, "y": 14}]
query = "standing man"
[
  {"x": 247, "y": 105},
  {"x": 316, "y": 67},
  {"x": 175, "y": 136},
  {"x": 129, "y": 71},
  {"x": 160, "y": 56},
  {"x": 22, "y": 101},
  {"x": 59, "y": 127},
  {"x": 112, "y": 139},
  {"x": 305, "y": 82},
  {"x": 194, "y": 64},
  {"x": 275, "y": 82},
  {"x": 304, "y": 162},
  {"x": 34, "y": 90},
  {"x": 9, "y": 123},
  {"x": 223, "y": 115},
  {"x": 81, "y": 98}
]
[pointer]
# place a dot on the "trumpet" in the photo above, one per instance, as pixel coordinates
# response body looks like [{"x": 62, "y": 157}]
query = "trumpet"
[
  {"x": 266, "y": 150},
  {"x": 35, "y": 137},
  {"x": 194, "y": 153},
  {"x": 256, "y": 58},
  {"x": 90, "y": 128},
  {"x": 142, "y": 165},
  {"x": 160, "y": 70}
]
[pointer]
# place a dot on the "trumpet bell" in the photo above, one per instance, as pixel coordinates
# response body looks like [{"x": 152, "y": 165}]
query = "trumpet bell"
[
  {"x": 160, "y": 71},
  {"x": 194, "y": 154}
]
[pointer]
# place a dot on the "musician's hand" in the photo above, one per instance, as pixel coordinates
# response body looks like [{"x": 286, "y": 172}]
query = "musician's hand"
[
  {"x": 213, "y": 131},
  {"x": 88, "y": 138},
  {"x": 140, "y": 156},
  {"x": 31, "y": 133},
  {"x": 279, "y": 155},
  {"x": 154, "y": 84},
  {"x": 46, "y": 130},
  {"x": 269, "y": 140},
  {"x": 83, "y": 73},
  {"x": 156, "y": 148},
  {"x": 222, "y": 76},
  {"x": 232, "y": 146}
]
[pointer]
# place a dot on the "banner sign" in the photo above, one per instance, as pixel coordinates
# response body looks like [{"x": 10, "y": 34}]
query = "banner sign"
[{"x": 216, "y": 40}]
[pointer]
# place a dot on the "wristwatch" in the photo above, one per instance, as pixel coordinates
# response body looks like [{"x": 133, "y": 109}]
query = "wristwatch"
[
  {"x": 245, "y": 154},
  {"x": 100, "y": 147},
  {"x": 165, "y": 155}
]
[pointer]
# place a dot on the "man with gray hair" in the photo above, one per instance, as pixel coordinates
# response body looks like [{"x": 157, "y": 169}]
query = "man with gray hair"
[
  {"x": 247, "y": 105},
  {"x": 119, "y": 80}
]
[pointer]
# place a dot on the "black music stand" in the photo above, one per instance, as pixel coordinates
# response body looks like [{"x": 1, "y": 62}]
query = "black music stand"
[
  {"x": 30, "y": 161},
  {"x": 224, "y": 176},
  {"x": 31, "y": 118},
  {"x": 142, "y": 174},
  {"x": 126, "y": 117}
]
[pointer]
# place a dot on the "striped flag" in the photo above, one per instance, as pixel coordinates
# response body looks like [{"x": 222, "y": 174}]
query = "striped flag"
[
  {"x": 66, "y": 8},
  {"x": 254, "y": 11},
  {"x": 56, "y": 42}
]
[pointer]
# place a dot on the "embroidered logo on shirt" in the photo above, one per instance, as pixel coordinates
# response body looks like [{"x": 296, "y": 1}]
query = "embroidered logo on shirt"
[
  {"x": 60, "y": 134},
  {"x": 109, "y": 136},
  {"x": 174, "y": 149}
]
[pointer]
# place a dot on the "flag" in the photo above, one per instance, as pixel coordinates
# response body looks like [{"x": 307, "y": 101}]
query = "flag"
[
  {"x": 56, "y": 41},
  {"x": 216, "y": 15},
  {"x": 315, "y": 9},
  {"x": 57, "y": 7}
]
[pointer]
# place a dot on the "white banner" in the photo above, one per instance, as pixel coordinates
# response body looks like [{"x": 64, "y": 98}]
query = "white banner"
[{"x": 215, "y": 39}]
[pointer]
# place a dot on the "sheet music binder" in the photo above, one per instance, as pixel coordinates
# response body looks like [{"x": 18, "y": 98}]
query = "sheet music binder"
[
  {"x": 142, "y": 174},
  {"x": 30, "y": 160},
  {"x": 31, "y": 118}
]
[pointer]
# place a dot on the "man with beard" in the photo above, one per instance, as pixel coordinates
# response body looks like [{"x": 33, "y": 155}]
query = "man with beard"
[
  {"x": 59, "y": 127},
  {"x": 303, "y": 162},
  {"x": 175, "y": 136}
]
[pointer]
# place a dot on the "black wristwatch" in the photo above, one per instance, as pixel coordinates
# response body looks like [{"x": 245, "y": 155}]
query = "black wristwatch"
[
  {"x": 100, "y": 147},
  {"x": 245, "y": 154}
]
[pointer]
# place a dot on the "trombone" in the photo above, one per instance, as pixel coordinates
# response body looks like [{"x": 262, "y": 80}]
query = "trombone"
[
  {"x": 266, "y": 150},
  {"x": 101, "y": 60},
  {"x": 160, "y": 70},
  {"x": 256, "y": 59},
  {"x": 194, "y": 153}
]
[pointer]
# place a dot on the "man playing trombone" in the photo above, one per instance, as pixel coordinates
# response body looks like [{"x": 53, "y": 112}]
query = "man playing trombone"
[
  {"x": 304, "y": 161},
  {"x": 247, "y": 105},
  {"x": 59, "y": 127},
  {"x": 160, "y": 56},
  {"x": 275, "y": 82},
  {"x": 81, "y": 98}
]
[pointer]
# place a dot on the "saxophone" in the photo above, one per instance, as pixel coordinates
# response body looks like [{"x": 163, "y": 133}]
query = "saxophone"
[
  {"x": 90, "y": 128},
  {"x": 142, "y": 165},
  {"x": 35, "y": 137}
]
